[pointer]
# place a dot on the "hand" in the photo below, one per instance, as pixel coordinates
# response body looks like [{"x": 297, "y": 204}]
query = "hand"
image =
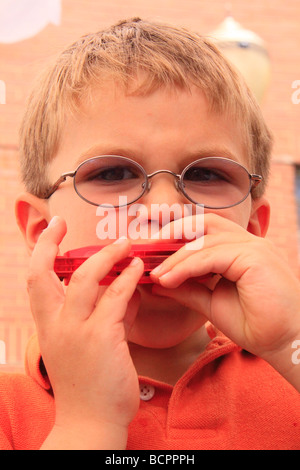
[
  {"x": 83, "y": 340},
  {"x": 256, "y": 302}
]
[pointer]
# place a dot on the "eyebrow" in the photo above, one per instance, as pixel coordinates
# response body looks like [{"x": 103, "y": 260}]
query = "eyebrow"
[
  {"x": 208, "y": 151},
  {"x": 211, "y": 151},
  {"x": 103, "y": 149}
]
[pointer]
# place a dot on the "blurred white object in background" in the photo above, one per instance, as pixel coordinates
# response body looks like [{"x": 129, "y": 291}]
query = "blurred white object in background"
[
  {"x": 22, "y": 19},
  {"x": 247, "y": 51}
]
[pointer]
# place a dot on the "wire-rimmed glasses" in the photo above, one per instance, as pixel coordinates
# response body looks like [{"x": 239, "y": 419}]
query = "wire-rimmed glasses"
[{"x": 213, "y": 182}]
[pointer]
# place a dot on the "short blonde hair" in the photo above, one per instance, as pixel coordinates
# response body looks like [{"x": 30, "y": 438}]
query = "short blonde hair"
[{"x": 167, "y": 56}]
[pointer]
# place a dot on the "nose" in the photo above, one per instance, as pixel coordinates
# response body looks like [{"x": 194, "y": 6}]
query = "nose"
[
  {"x": 164, "y": 202},
  {"x": 163, "y": 189}
]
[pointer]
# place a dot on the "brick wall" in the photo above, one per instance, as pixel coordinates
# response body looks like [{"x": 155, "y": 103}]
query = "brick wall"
[{"x": 277, "y": 22}]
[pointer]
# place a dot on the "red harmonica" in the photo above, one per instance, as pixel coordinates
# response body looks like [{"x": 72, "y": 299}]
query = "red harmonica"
[{"x": 152, "y": 255}]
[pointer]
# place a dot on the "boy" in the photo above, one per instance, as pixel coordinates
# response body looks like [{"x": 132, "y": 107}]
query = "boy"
[{"x": 182, "y": 363}]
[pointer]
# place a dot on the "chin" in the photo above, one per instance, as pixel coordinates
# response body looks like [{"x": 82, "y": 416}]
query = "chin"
[{"x": 161, "y": 322}]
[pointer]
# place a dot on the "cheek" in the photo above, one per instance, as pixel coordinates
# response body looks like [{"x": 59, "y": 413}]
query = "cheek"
[
  {"x": 81, "y": 231},
  {"x": 239, "y": 214},
  {"x": 87, "y": 224},
  {"x": 81, "y": 220}
]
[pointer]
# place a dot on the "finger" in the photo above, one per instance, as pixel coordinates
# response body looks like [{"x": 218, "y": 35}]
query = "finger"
[
  {"x": 44, "y": 288},
  {"x": 220, "y": 259},
  {"x": 113, "y": 305},
  {"x": 83, "y": 290},
  {"x": 195, "y": 226},
  {"x": 131, "y": 312},
  {"x": 184, "y": 228},
  {"x": 189, "y": 250},
  {"x": 213, "y": 224}
]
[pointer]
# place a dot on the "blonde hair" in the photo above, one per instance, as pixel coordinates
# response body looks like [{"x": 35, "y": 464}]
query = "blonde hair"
[{"x": 166, "y": 56}]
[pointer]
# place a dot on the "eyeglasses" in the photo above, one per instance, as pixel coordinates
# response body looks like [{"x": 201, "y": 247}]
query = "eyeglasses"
[{"x": 213, "y": 182}]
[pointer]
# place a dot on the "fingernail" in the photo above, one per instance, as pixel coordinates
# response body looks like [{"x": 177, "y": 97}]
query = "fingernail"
[
  {"x": 53, "y": 221},
  {"x": 156, "y": 270},
  {"x": 164, "y": 276},
  {"x": 134, "y": 262},
  {"x": 120, "y": 240}
]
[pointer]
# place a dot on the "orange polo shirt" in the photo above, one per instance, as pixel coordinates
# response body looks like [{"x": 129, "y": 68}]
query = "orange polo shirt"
[{"x": 228, "y": 399}]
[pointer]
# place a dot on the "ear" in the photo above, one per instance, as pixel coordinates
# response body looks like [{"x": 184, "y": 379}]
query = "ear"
[
  {"x": 260, "y": 217},
  {"x": 33, "y": 216}
]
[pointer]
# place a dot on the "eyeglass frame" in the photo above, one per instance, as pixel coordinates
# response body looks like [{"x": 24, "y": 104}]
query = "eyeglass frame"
[{"x": 254, "y": 180}]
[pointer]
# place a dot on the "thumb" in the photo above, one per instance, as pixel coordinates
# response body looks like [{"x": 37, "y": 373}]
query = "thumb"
[
  {"x": 131, "y": 312},
  {"x": 44, "y": 287}
]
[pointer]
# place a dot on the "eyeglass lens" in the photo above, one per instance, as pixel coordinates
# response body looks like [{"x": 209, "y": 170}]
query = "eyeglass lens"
[
  {"x": 103, "y": 180},
  {"x": 214, "y": 182}
]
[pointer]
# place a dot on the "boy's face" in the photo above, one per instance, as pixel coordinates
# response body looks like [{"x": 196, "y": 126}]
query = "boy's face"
[{"x": 164, "y": 130}]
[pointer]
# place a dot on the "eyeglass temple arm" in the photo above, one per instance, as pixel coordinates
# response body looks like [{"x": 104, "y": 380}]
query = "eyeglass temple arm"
[
  {"x": 255, "y": 179},
  {"x": 57, "y": 183}
]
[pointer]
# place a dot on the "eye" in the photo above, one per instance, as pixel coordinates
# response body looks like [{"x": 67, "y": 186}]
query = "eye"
[
  {"x": 113, "y": 173},
  {"x": 204, "y": 174}
]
